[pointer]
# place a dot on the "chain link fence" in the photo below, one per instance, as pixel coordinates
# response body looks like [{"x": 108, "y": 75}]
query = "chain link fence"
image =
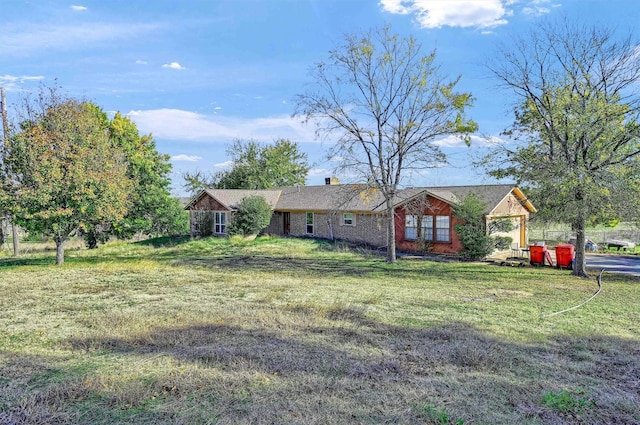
[{"x": 597, "y": 236}]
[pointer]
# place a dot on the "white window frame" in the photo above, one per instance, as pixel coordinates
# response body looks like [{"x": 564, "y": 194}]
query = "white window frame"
[
  {"x": 410, "y": 228},
  {"x": 220, "y": 222},
  {"x": 442, "y": 233},
  {"x": 411, "y": 224},
  {"x": 351, "y": 221},
  {"x": 310, "y": 225},
  {"x": 427, "y": 227}
]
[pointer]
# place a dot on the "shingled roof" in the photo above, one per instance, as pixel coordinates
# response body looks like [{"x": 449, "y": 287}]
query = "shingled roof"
[
  {"x": 231, "y": 198},
  {"x": 359, "y": 197},
  {"x": 344, "y": 197},
  {"x": 491, "y": 195}
]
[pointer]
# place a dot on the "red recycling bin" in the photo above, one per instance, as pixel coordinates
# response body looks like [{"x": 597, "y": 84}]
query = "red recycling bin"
[
  {"x": 537, "y": 254},
  {"x": 565, "y": 254}
]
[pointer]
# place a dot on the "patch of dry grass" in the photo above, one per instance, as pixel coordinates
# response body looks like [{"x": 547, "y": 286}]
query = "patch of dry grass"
[{"x": 300, "y": 331}]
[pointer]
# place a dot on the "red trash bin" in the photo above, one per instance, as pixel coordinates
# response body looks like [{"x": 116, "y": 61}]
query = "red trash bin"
[
  {"x": 565, "y": 254},
  {"x": 537, "y": 254}
]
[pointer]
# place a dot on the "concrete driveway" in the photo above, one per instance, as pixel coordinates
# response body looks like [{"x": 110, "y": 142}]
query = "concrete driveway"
[{"x": 628, "y": 264}]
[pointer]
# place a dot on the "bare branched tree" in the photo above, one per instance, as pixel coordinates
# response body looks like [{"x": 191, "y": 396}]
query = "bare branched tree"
[
  {"x": 386, "y": 103},
  {"x": 576, "y": 124}
]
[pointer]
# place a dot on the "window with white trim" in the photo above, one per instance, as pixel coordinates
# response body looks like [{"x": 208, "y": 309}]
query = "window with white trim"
[
  {"x": 348, "y": 219},
  {"x": 220, "y": 222},
  {"x": 310, "y": 224},
  {"x": 425, "y": 224},
  {"x": 442, "y": 228},
  {"x": 422, "y": 227}
]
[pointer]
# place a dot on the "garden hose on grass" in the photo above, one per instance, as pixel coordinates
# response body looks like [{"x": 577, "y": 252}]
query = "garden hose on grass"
[{"x": 581, "y": 304}]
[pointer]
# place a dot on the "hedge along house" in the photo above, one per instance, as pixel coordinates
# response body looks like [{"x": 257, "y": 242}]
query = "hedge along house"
[{"x": 424, "y": 217}]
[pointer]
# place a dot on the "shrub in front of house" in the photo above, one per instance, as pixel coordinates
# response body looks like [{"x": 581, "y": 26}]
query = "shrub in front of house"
[
  {"x": 251, "y": 217},
  {"x": 473, "y": 235}
]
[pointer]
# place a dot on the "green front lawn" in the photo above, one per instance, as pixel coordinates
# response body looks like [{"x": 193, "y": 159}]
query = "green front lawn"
[{"x": 307, "y": 332}]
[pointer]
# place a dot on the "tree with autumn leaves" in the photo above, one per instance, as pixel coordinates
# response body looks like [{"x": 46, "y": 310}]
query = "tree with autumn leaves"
[
  {"x": 152, "y": 210},
  {"x": 64, "y": 171},
  {"x": 61, "y": 173}
]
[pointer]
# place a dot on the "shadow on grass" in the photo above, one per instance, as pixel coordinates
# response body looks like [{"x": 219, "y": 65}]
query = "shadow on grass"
[
  {"x": 324, "y": 259},
  {"x": 165, "y": 241},
  {"x": 296, "y": 266},
  {"x": 352, "y": 364},
  {"x": 27, "y": 261}
]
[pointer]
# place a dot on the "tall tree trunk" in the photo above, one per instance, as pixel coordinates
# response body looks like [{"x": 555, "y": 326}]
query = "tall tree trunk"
[
  {"x": 59, "y": 251},
  {"x": 391, "y": 233},
  {"x": 16, "y": 240},
  {"x": 580, "y": 225},
  {"x": 6, "y": 145}
]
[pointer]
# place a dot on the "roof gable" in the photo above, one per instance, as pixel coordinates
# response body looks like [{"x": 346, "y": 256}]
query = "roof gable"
[{"x": 231, "y": 198}]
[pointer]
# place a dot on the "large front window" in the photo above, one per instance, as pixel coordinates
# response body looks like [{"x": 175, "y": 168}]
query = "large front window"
[
  {"x": 220, "y": 223},
  {"x": 421, "y": 227}
]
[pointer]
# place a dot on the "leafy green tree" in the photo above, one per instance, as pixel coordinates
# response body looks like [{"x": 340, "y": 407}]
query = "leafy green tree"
[
  {"x": 256, "y": 166},
  {"x": 386, "y": 104},
  {"x": 152, "y": 211},
  {"x": 251, "y": 217},
  {"x": 475, "y": 233},
  {"x": 577, "y": 124},
  {"x": 472, "y": 233},
  {"x": 7, "y": 131},
  {"x": 65, "y": 173}
]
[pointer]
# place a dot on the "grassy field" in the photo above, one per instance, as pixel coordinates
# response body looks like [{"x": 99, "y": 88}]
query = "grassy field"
[{"x": 293, "y": 331}]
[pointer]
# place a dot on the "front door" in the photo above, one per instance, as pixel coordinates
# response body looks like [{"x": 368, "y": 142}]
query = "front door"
[{"x": 286, "y": 223}]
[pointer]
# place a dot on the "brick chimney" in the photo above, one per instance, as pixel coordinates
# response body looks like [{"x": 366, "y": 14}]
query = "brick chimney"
[{"x": 331, "y": 181}]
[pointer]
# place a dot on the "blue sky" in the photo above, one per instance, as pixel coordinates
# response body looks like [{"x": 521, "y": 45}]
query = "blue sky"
[{"x": 199, "y": 74}]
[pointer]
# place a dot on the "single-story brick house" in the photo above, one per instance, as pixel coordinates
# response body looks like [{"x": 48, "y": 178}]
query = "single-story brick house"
[{"x": 357, "y": 213}]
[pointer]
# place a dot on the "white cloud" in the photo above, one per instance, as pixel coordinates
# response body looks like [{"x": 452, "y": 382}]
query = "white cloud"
[
  {"x": 176, "y": 124},
  {"x": 476, "y": 141},
  {"x": 460, "y": 13},
  {"x": 78, "y": 8},
  {"x": 173, "y": 65},
  {"x": 319, "y": 172},
  {"x": 538, "y": 7},
  {"x": 11, "y": 82},
  {"x": 141, "y": 62},
  {"x": 187, "y": 158},
  {"x": 25, "y": 39},
  {"x": 397, "y": 7},
  {"x": 19, "y": 79},
  {"x": 227, "y": 165}
]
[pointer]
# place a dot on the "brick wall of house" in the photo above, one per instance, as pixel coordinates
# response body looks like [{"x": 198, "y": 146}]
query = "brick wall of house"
[
  {"x": 368, "y": 228},
  {"x": 437, "y": 207},
  {"x": 275, "y": 226},
  {"x": 206, "y": 203}
]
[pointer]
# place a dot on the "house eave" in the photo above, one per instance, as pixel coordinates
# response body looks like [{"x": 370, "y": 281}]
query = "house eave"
[
  {"x": 201, "y": 194},
  {"x": 524, "y": 201}
]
